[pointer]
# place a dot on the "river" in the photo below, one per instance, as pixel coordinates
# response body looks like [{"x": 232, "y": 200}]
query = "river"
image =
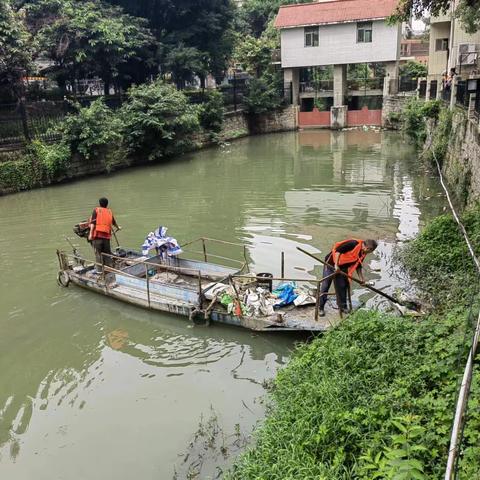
[{"x": 91, "y": 388}]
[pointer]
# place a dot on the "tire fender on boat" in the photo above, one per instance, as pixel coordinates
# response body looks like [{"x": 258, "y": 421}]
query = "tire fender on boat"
[
  {"x": 63, "y": 279},
  {"x": 198, "y": 314}
]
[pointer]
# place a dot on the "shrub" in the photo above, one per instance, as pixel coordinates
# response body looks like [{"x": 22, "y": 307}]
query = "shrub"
[
  {"x": 158, "y": 120},
  {"x": 262, "y": 96},
  {"x": 53, "y": 158},
  {"x": 438, "y": 258},
  {"x": 91, "y": 129},
  {"x": 414, "y": 117},
  {"x": 212, "y": 111}
]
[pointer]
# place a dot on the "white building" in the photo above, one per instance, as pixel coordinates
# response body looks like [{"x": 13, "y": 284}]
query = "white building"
[{"x": 337, "y": 33}]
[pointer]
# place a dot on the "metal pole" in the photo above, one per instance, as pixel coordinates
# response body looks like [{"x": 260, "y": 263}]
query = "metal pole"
[
  {"x": 283, "y": 265},
  {"x": 148, "y": 285},
  {"x": 337, "y": 294},
  {"x": 317, "y": 301},
  {"x": 204, "y": 250},
  {"x": 200, "y": 293}
]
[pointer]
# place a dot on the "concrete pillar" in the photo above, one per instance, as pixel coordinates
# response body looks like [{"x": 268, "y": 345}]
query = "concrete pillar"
[
  {"x": 453, "y": 97},
  {"x": 338, "y": 117},
  {"x": 390, "y": 82},
  {"x": 427, "y": 93},
  {"x": 339, "y": 85},
  {"x": 291, "y": 76}
]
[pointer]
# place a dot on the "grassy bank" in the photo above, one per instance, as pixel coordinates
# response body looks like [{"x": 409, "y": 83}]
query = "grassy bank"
[{"x": 375, "y": 397}]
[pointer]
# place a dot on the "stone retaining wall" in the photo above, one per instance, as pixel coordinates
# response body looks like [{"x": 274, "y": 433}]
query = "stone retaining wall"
[
  {"x": 461, "y": 165},
  {"x": 391, "y": 110}
]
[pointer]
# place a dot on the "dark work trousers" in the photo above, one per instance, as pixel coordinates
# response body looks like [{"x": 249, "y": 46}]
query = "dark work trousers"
[
  {"x": 341, "y": 285},
  {"x": 102, "y": 245}
]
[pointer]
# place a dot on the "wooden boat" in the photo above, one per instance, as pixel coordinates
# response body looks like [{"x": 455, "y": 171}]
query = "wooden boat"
[{"x": 180, "y": 285}]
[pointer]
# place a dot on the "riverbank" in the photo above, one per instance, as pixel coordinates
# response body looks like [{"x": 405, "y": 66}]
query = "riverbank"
[
  {"x": 156, "y": 124},
  {"x": 376, "y": 396}
]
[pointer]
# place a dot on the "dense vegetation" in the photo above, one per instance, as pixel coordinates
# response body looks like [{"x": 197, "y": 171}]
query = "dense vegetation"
[
  {"x": 155, "y": 121},
  {"x": 375, "y": 397}
]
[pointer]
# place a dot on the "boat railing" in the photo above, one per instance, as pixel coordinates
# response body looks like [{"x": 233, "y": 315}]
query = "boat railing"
[
  {"x": 63, "y": 260},
  {"x": 208, "y": 254}
]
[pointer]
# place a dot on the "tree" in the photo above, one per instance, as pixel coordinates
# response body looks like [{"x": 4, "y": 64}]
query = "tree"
[
  {"x": 467, "y": 10},
  {"x": 90, "y": 38},
  {"x": 158, "y": 120},
  {"x": 15, "y": 49},
  {"x": 413, "y": 69},
  {"x": 255, "y": 15},
  {"x": 184, "y": 63},
  {"x": 255, "y": 54},
  {"x": 205, "y": 26}
]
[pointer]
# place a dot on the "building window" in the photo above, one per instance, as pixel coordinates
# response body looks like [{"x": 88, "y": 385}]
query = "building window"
[
  {"x": 311, "y": 36},
  {"x": 441, "y": 44},
  {"x": 364, "y": 32}
]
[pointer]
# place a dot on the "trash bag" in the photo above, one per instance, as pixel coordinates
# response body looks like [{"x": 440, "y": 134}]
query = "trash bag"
[{"x": 285, "y": 294}]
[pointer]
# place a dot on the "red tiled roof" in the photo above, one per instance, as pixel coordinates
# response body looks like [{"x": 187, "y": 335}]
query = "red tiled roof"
[{"x": 333, "y": 11}]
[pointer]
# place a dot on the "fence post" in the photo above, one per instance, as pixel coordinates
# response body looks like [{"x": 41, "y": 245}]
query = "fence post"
[
  {"x": 234, "y": 91},
  {"x": 23, "y": 115}
]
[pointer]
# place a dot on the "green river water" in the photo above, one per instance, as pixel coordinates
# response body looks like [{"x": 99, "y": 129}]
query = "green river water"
[{"x": 94, "y": 389}]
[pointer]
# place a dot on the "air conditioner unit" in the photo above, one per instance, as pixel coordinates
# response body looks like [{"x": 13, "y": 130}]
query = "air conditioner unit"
[{"x": 467, "y": 54}]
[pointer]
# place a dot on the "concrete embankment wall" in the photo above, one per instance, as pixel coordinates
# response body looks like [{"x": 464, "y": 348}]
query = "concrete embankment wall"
[
  {"x": 392, "y": 110},
  {"x": 235, "y": 125},
  {"x": 461, "y": 165}
]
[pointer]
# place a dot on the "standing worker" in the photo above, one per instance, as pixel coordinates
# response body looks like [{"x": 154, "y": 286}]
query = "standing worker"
[
  {"x": 101, "y": 223},
  {"x": 346, "y": 256}
]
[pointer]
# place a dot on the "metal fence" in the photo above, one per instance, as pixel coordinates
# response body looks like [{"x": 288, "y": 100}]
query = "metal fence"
[
  {"x": 316, "y": 86},
  {"x": 21, "y": 122},
  {"x": 407, "y": 84},
  {"x": 375, "y": 83},
  {"x": 477, "y": 100}
]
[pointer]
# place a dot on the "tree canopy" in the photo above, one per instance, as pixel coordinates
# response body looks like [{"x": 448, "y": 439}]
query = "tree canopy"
[
  {"x": 89, "y": 38},
  {"x": 201, "y": 25},
  {"x": 467, "y": 10},
  {"x": 15, "y": 47}
]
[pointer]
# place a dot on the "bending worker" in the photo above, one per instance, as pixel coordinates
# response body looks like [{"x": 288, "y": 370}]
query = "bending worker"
[
  {"x": 346, "y": 256},
  {"x": 101, "y": 223}
]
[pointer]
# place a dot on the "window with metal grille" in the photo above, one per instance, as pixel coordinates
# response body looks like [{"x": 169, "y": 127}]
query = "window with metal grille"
[
  {"x": 441, "y": 44},
  {"x": 311, "y": 36},
  {"x": 364, "y": 32}
]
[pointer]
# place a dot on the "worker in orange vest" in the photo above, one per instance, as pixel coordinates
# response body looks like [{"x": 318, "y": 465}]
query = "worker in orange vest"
[
  {"x": 101, "y": 223},
  {"x": 346, "y": 256}
]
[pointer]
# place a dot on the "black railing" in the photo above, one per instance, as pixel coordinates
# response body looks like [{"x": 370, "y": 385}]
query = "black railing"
[
  {"x": 21, "y": 122},
  {"x": 477, "y": 100},
  {"x": 433, "y": 89},
  {"x": 463, "y": 97},
  {"x": 316, "y": 86},
  {"x": 375, "y": 83},
  {"x": 422, "y": 89},
  {"x": 407, "y": 84}
]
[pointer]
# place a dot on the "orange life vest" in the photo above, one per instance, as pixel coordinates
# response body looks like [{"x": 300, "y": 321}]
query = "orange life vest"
[
  {"x": 354, "y": 257},
  {"x": 103, "y": 224}
]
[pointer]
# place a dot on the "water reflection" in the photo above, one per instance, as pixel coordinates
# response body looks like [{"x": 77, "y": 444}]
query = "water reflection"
[{"x": 86, "y": 381}]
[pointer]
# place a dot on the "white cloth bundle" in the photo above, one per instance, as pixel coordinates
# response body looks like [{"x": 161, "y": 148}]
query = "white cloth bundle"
[{"x": 159, "y": 240}]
